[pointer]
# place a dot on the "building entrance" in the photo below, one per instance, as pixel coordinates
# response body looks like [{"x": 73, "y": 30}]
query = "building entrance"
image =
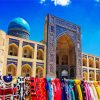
[{"x": 65, "y": 56}]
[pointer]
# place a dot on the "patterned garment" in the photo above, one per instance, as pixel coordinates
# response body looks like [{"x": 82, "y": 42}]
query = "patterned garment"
[
  {"x": 41, "y": 89},
  {"x": 8, "y": 91},
  {"x": 84, "y": 90},
  {"x": 66, "y": 92},
  {"x": 27, "y": 88},
  {"x": 33, "y": 88},
  {"x": 50, "y": 89},
  {"x": 71, "y": 84},
  {"x": 20, "y": 86}
]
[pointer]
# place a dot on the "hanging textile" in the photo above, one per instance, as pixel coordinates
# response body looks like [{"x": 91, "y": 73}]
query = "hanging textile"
[
  {"x": 41, "y": 89},
  {"x": 27, "y": 88},
  {"x": 94, "y": 91},
  {"x": 50, "y": 89},
  {"x": 83, "y": 90},
  {"x": 97, "y": 89},
  {"x": 21, "y": 88},
  {"x": 75, "y": 91},
  {"x": 78, "y": 82},
  {"x": 30, "y": 88},
  {"x": 65, "y": 87},
  {"x": 57, "y": 89},
  {"x": 33, "y": 88},
  {"x": 71, "y": 85}
]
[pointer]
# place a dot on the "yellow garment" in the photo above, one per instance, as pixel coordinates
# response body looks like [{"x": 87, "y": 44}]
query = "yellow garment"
[
  {"x": 97, "y": 89},
  {"x": 78, "y": 82}
]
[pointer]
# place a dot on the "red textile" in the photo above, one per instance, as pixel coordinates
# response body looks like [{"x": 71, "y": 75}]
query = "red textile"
[
  {"x": 41, "y": 89},
  {"x": 33, "y": 88},
  {"x": 57, "y": 89}
]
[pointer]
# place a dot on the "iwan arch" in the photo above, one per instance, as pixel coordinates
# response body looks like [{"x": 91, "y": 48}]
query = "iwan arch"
[{"x": 58, "y": 54}]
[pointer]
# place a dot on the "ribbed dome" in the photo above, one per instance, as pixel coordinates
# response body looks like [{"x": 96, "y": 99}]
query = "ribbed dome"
[{"x": 19, "y": 23}]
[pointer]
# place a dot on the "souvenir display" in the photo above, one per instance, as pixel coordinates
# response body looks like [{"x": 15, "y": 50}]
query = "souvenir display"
[{"x": 30, "y": 88}]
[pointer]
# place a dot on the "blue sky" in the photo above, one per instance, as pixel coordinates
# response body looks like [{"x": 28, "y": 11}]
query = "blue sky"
[{"x": 85, "y": 13}]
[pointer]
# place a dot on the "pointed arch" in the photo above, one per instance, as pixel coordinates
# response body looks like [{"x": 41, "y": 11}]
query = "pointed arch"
[
  {"x": 97, "y": 64},
  {"x": 39, "y": 72},
  {"x": 91, "y": 62},
  {"x": 13, "y": 49},
  {"x": 40, "y": 54},
  {"x": 91, "y": 75},
  {"x": 65, "y": 49},
  {"x": 28, "y": 51},
  {"x": 98, "y": 76},
  {"x": 84, "y": 62},
  {"x": 26, "y": 70},
  {"x": 11, "y": 70}
]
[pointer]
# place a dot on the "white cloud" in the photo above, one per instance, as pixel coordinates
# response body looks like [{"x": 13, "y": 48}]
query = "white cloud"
[
  {"x": 61, "y": 2},
  {"x": 42, "y": 1},
  {"x": 97, "y": 0},
  {"x": 58, "y": 2}
]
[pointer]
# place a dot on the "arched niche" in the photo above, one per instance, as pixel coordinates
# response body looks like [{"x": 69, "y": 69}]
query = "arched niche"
[
  {"x": 28, "y": 51},
  {"x": 11, "y": 70},
  {"x": 13, "y": 49},
  {"x": 26, "y": 70}
]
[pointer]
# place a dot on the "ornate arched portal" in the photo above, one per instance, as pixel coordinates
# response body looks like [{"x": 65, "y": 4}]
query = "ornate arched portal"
[
  {"x": 54, "y": 28},
  {"x": 65, "y": 51}
]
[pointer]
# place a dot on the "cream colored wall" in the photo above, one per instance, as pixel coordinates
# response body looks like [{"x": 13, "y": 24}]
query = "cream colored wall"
[
  {"x": 20, "y": 58},
  {"x": 2, "y": 50},
  {"x": 90, "y": 68},
  {"x": 4, "y": 46}
]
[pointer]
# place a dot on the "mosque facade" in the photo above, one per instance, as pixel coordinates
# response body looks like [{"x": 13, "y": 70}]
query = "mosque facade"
[{"x": 59, "y": 54}]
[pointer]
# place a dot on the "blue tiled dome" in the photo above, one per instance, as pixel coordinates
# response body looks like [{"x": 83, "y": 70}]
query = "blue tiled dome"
[{"x": 19, "y": 23}]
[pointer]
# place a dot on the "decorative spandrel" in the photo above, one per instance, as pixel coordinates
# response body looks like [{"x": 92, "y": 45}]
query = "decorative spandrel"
[{"x": 61, "y": 30}]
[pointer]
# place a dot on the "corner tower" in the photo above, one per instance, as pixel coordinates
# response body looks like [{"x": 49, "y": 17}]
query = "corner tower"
[{"x": 63, "y": 40}]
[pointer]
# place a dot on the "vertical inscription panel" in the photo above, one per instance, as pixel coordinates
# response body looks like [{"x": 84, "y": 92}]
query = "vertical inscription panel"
[{"x": 51, "y": 48}]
